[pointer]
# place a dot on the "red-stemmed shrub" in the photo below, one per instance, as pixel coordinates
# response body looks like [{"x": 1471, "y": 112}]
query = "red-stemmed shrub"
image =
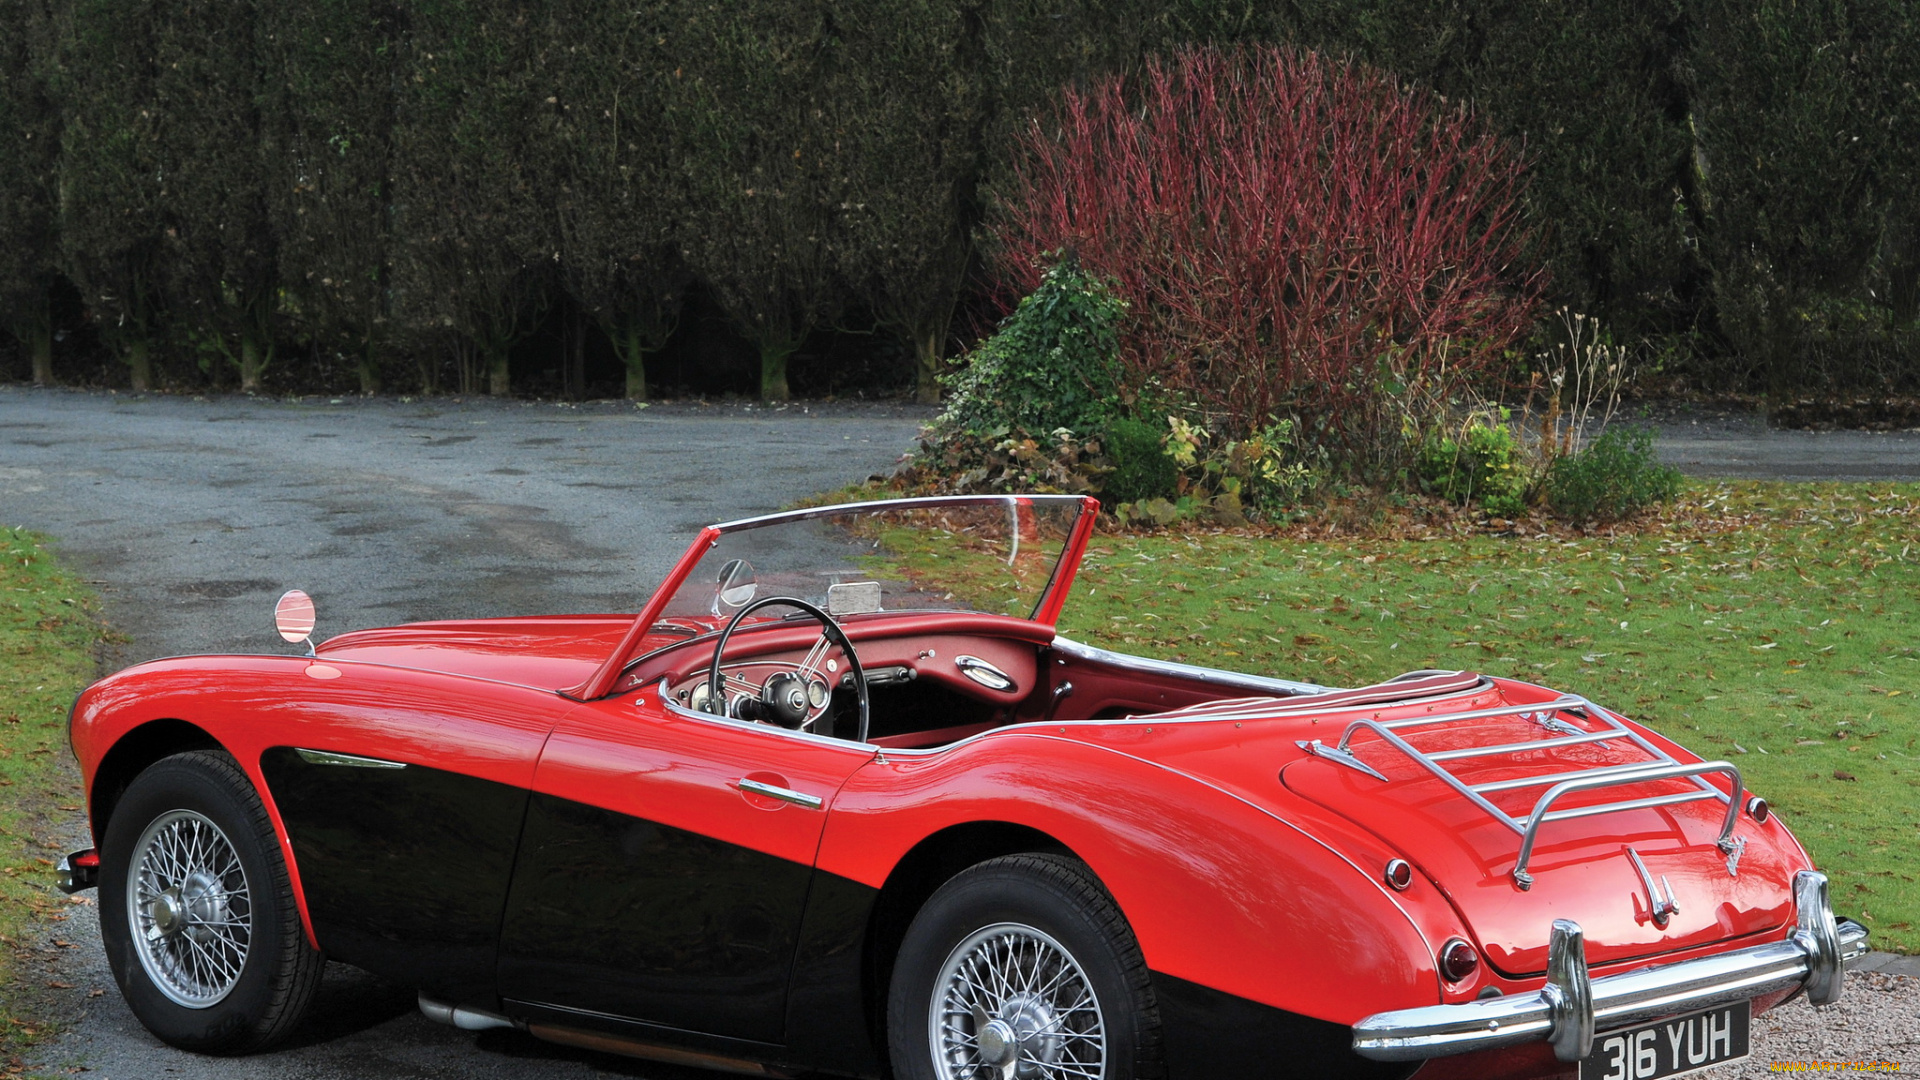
[{"x": 1293, "y": 235}]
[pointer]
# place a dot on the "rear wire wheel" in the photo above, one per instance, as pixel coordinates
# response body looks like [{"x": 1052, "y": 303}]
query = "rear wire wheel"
[
  {"x": 197, "y": 910},
  {"x": 1022, "y": 968}
]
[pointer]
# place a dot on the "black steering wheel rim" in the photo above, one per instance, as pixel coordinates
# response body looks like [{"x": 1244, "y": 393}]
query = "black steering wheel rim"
[{"x": 716, "y": 685}]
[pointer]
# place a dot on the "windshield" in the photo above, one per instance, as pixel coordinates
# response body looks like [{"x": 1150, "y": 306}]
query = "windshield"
[{"x": 987, "y": 554}]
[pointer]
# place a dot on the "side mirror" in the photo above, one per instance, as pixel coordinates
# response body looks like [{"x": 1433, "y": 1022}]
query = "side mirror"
[{"x": 293, "y": 617}]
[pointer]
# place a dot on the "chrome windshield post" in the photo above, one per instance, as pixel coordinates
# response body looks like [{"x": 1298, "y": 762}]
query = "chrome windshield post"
[
  {"x": 1569, "y": 992},
  {"x": 1819, "y": 936}
]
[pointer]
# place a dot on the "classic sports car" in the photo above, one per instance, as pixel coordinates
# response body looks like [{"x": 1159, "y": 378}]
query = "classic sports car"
[{"x": 840, "y": 799}]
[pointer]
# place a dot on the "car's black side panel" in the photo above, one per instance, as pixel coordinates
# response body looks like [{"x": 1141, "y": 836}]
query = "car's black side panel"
[
  {"x": 1210, "y": 1034},
  {"x": 623, "y": 916},
  {"x": 828, "y": 1026},
  {"x": 405, "y": 870}
]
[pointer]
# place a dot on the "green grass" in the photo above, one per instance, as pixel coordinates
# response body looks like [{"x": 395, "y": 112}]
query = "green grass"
[
  {"x": 1775, "y": 625},
  {"x": 47, "y": 634}
]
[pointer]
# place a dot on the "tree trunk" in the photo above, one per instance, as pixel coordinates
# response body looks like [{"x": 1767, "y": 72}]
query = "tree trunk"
[
  {"x": 252, "y": 364},
  {"x": 42, "y": 349},
  {"x": 140, "y": 364},
  {"x": 499, "y": 384},
  {"x": 1784, "y": 371},
  {"x": 368, "y": 369},
  {"x": 575, "y": 358},
  {"x": 926, "y": 351},
  {"x": 465, "y": 365},
  {"x": 428, "y": 363},
  {"x": 773, "y": 371},
  {"x": 634, "y": 358}
]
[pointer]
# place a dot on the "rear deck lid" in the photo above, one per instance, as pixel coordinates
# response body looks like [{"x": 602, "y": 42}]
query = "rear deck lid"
[{"x": 1508, "y": 744}]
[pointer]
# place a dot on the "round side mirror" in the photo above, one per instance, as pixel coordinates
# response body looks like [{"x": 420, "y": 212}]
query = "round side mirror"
[{"x": 293, "y": 616}]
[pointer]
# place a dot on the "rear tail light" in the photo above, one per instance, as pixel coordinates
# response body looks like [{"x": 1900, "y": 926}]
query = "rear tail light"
[{"x": 1458, "y": 960}]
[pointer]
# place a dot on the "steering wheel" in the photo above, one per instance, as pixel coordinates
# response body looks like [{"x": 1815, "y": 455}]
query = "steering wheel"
[{"x": 791, "y": 700}]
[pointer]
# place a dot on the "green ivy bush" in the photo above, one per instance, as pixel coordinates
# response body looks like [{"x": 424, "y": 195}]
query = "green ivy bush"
[
  {"x": 1612, "y": 477},
  {"x": 1052, "y": 364}
]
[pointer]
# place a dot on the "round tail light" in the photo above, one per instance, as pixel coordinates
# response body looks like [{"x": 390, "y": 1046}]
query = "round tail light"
[{"x": 1458, "y": 960}]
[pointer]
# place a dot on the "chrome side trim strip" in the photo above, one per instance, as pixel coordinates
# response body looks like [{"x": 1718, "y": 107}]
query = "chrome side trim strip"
[
  {"x": 327, "y": 757},
  {"x": 1211, "y": 676},
  {"x": 797, "y": 798},
  {"x": 677, "y": 709},
  {"x": 1814, "y": 956}
]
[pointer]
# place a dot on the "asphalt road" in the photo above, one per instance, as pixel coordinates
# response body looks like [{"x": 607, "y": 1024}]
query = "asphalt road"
[
  {"x": 1740, "y": 445},
  {"x": 191, "y": 516}
]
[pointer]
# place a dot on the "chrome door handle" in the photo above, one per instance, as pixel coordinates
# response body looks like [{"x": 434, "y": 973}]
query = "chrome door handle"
[{"x": 797, "y": 798}]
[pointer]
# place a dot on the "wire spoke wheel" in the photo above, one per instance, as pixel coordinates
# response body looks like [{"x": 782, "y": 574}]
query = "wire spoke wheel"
[
  {"x": 1011, "y": 1003},
  {"x": 189, "y": 908}
]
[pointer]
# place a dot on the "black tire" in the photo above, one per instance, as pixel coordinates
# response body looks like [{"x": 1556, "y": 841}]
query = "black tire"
[
  {"x": 237, "y": 911},
  {"x": 1024, "y": 906}
]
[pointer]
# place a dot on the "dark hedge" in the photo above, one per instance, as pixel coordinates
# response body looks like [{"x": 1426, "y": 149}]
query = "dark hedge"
[{"x": 418, "y": 193}]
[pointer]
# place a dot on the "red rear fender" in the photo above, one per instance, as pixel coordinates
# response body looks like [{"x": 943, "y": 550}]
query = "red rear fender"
[{"x": 1218, "y": 892}]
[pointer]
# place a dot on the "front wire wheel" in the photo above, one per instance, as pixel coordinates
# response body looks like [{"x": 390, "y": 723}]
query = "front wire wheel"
[
  {"x": 190, "y": 909},
  {"x": 197, "y": 911},
  {"x": 1013, "y": 1003}
]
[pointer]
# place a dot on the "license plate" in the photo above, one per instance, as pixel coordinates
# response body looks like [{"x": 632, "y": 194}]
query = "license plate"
[{"x": 1672, "y": 1047}]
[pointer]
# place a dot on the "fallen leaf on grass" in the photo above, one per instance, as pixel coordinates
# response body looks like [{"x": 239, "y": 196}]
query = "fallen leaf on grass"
[
  {"x": 51, "y": 985},
  {"x": 1842, "y": 774}
]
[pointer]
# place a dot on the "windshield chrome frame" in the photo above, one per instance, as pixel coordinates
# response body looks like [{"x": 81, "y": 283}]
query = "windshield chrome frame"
[{"x": 1046, "y": 610}]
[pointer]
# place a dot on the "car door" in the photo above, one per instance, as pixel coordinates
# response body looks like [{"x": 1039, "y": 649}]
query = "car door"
[
  {"x": 403, "y": 810},
  {"x": 664, "y": 868}
]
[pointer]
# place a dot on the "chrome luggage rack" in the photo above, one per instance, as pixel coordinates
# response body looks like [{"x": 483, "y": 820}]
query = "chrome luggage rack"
[{"x": 1661, "y": 766}]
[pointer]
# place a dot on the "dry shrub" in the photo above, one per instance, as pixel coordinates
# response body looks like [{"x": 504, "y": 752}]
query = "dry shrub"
[{"x": 1293, "y": 236}]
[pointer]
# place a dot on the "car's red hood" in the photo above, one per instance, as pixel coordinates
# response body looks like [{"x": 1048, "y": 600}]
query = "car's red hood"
[
  {"x": 1580, "y": 868},
  {"x": 549, "y": 652}
]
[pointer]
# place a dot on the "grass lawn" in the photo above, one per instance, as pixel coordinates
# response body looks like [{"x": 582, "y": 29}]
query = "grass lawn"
[
  {"x": 47, "y": 634},
  {"x": 1776, "y": 625}
]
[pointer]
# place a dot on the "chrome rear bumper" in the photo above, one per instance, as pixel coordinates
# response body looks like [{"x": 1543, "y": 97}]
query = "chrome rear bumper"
[{"x": 1571, "y": 1007}]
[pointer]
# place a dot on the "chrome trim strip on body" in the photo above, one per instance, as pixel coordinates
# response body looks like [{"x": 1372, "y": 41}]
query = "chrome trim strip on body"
[
  {"x": 328, "y": 757},
  {"x": 1814, "y": 957},
  {"x": 1211, "y": 676},
  {"x": 677, "y": 709},
  {"x": 788, "y": 795}
]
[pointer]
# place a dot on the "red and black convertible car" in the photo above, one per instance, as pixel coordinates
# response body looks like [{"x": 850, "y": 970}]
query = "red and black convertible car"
[{"x": 839, "y": 799}]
